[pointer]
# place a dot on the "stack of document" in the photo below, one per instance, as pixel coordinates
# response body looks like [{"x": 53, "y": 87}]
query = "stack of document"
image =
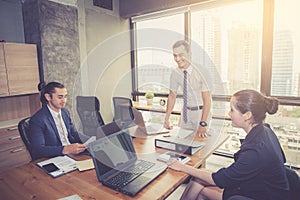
[
  {"x": 181, "y": 145},
  {"x": 58, "y": 166}
]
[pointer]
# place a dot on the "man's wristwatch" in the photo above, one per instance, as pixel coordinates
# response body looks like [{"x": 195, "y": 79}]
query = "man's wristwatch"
[{"x": 203, "y": 124}]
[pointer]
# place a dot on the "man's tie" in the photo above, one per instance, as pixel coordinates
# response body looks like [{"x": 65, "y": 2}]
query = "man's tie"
[
  {"x": 184, "y": 112},
  {"x": 65, "y": 136}
]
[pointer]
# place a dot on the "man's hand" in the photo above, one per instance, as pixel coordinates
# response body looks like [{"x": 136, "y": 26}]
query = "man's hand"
[
  {"x": 167, "y": 125},
  {"x": 75, "y": 148},
  {"x": 202, "y": 131}
]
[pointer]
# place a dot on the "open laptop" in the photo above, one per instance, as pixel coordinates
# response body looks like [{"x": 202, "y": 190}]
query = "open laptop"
[
  {"x": 117, "y": 165},
  {"x": 148, "y": 128}
]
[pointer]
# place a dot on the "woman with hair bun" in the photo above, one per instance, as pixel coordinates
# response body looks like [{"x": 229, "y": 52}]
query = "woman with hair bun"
[{"x": 258, "y": 171}]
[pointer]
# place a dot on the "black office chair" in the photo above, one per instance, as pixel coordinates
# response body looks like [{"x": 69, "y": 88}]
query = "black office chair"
[
  {"x": 88, "y": 109},
  {"x": 239, "y": 197},
  {"x": 294, "y": 182},
  {"x": 123, "y": 113},
  {"x": 23, "y": 128}
]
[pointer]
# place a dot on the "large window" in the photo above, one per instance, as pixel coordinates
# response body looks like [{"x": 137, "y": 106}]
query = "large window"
[
  {"x": 154, "y": 57},
  {"x": 244, "y": 44},
  {"x": 285, "y": 78},
  {"x": 286, "y": 48},
  {"x": 230, "y": 35}
]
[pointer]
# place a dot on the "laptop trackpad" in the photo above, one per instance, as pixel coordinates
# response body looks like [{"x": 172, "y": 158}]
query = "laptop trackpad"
[{"x": 137, "y": 184}]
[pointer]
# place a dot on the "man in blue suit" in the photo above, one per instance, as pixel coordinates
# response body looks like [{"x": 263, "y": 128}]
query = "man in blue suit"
[{"x": 51, "y": 130}]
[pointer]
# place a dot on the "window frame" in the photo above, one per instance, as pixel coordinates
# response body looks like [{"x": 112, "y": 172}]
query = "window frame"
[{"x": 266, "y": 57}]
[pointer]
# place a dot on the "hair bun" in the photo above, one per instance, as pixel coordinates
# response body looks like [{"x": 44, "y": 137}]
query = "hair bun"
[
  {"x": 41, "y": 85},
  {"x": 271, "y": 105}
]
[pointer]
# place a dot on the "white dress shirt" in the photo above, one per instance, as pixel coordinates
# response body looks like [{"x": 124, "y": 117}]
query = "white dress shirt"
[{"x": 61, "y": 127}]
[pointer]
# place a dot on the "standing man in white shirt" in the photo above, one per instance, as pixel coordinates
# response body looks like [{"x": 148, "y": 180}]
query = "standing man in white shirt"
[{"x": 197, "y": 95}]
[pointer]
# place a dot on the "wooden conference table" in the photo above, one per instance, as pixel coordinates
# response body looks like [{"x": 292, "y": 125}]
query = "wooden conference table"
[{"x": 31, "y": 182}]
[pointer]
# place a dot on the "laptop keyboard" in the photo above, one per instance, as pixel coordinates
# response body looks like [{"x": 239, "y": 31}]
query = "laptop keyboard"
[{"x": 123, "y": 178}]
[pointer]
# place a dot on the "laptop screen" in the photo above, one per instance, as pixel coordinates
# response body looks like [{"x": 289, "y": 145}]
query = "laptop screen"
[{"x": 112, "y": 153}]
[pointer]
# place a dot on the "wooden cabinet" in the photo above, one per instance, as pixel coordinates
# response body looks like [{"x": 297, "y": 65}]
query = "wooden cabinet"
[
  {"x": 13, "y": 109},
  {"x": 18, "y": 69},
  {"x": 19, "y": 98},
  {"x": 13, "y": 152},
  {"x": 3, "y": 76}
]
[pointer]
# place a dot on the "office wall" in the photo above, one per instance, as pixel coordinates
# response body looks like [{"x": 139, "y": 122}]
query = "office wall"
[
  {"x": 76, "y": 48},
  {"x": 84, "y": 46},
  {"x": 105, "y": 54}
]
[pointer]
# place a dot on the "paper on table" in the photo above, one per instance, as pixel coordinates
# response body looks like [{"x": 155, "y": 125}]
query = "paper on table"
[
  {"x": 91, "y": 139},
  {"x": 83, "y": 165},
  {"x": 64, "y": 164},
  {"x": 72, "y": 197}
]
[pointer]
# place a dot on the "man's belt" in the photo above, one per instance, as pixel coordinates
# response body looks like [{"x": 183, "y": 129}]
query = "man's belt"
[{"x": 194, "y": 108}]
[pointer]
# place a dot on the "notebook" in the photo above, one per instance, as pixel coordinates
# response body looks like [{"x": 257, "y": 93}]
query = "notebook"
[
  {"x": 117, "y": 166},
  {"x": 148, "y": 128}
]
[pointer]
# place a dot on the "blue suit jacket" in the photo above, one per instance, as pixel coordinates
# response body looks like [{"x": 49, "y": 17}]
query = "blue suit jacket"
[{"x": 44, "y": 137}]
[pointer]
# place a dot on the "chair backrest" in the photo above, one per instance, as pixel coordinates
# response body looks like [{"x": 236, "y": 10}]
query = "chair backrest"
[
  {"x": 123, "y": 111},
  {"x": 88, "y": 109},
  {"x": 23, "y": 128},
  {"x": 294, "y": 182},
  {"x": 239, "y": 197}
]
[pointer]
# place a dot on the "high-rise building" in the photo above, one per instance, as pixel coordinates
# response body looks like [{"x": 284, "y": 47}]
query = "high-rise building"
[
  {"x": 243, "y": 54},
  {"x": 282, "y": 66},
  {"x": 207, "y": 35}
]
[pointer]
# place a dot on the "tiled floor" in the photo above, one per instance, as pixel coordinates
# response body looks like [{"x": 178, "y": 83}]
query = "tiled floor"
[{"x": 213, "y": 163}]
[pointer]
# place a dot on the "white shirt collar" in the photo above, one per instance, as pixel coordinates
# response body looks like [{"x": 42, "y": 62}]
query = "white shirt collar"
[
  {"x": 189, "y": 69},
  {"x": 54, "y": 113}
]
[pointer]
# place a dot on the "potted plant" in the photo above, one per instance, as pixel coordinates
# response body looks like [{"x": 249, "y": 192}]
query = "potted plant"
[{"x": 149, "y": 97}]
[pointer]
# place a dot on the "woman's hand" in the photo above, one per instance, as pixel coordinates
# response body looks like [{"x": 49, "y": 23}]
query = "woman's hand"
[{"x": 175, "y": 164}]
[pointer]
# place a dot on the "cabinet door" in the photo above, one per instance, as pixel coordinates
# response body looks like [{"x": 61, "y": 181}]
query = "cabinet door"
[
  {"x": 3, "y": 77},
  {"x": 22, "y": 68},
  {"x": 10, "y": 138},
  {"x": 13, "y": 152}
]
